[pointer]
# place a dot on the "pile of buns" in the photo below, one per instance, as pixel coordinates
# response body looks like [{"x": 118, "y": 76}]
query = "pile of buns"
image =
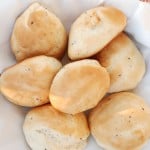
[{"x": 104, "y": 65}]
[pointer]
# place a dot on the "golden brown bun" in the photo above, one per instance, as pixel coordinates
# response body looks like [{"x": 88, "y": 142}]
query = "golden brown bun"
[
  {"x": 93, "y": 30},
  {"x": 79, "y": 86},
  {"x": 124, "y": 63},
  {"x": 47, "y": 128},
  {"x": 121, "y": 122},
  {"x": 38, "y": 32},
  {"x": 28, "y": 82}
]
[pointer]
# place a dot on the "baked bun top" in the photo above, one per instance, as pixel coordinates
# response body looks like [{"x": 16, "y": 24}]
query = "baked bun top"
[
  {"x": 79, "y": 86},
  {"x": 47, "y": 128},
  {"x": 93, "y": 30},
  {"x": 121, "y": 121},
  {"x": 28, "y": 82},
  {"x": 123, "y": 62},
  {"x": 38, "y": 32},
  {"x": 70, "y": 125}
]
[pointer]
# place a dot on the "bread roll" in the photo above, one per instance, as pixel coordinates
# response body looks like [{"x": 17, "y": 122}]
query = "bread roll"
[
  {"x": 38, "y": 32},
  {"x": 79, "y": 86},
  {"x": 121, "y": 121},
  {"x": 28, "y": 82},
  {"x": 93, "y": 30},
  {"x": 48, "y": 129},
  {"x": 124, "y": 63}
]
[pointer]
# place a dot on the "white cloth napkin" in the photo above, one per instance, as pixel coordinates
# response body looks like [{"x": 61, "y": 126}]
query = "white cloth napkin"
[{"x": 11, "y": 116}]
